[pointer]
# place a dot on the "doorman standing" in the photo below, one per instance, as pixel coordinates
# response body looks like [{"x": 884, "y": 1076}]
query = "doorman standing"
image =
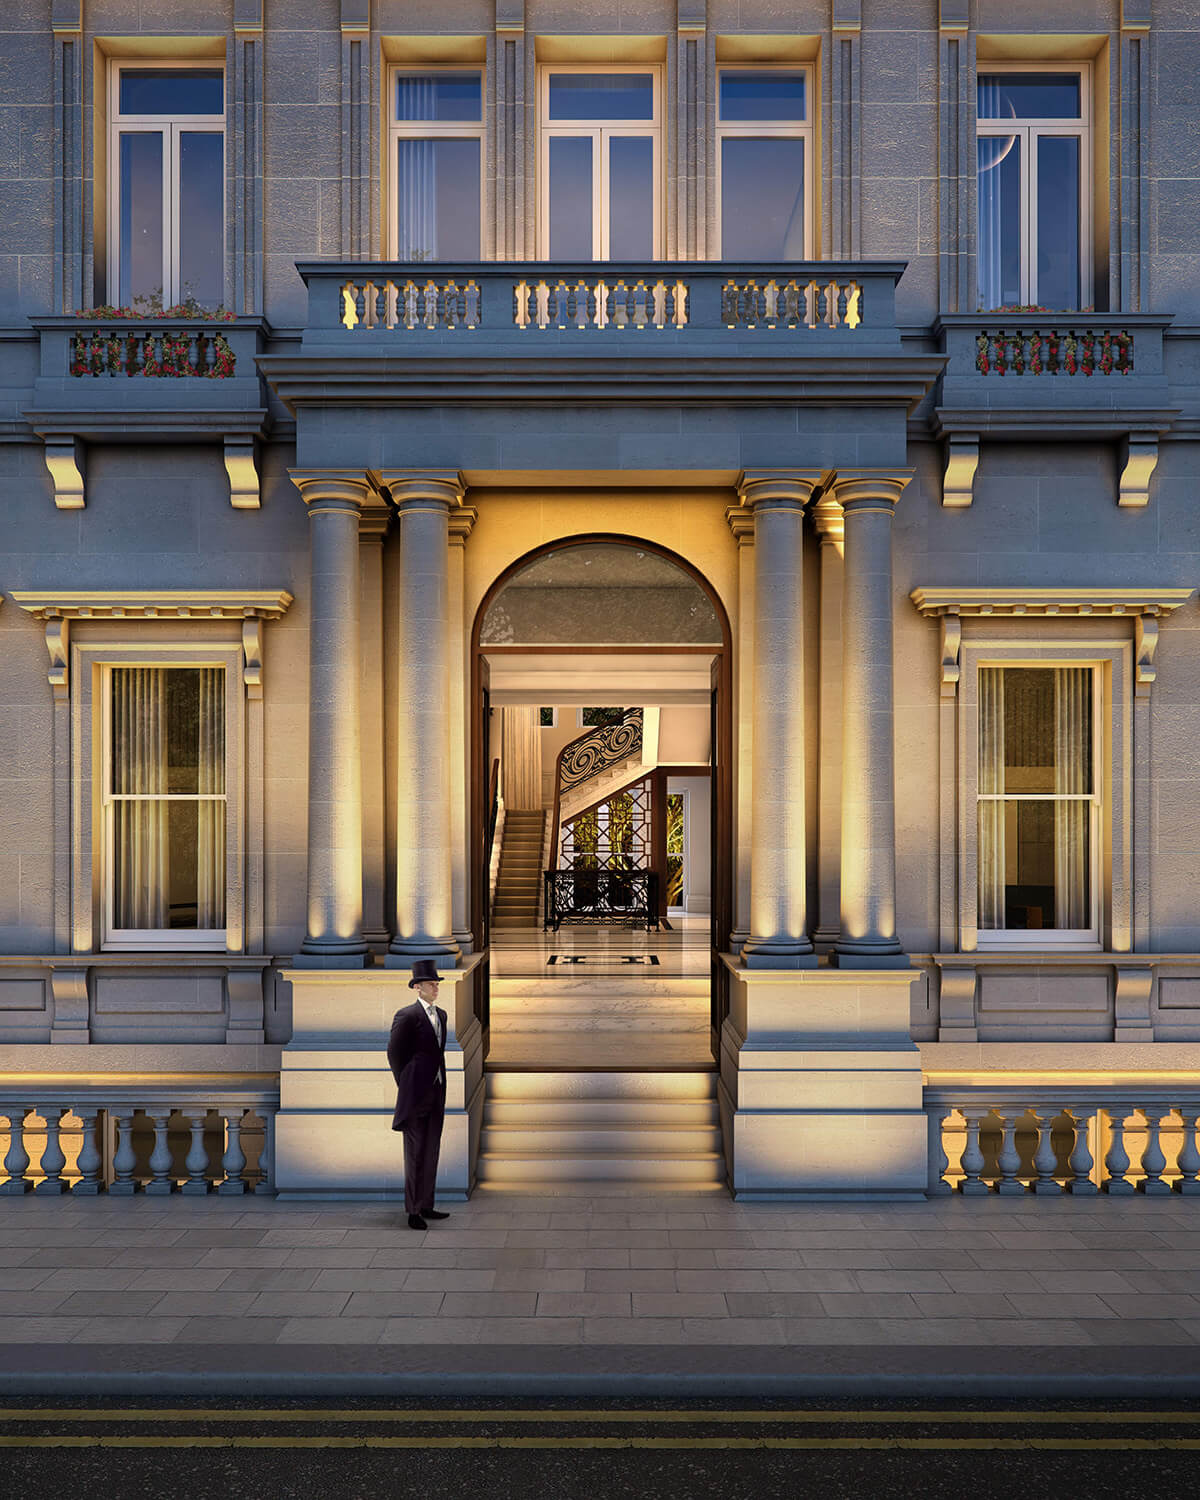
[{"x": 417, "y": 1057}]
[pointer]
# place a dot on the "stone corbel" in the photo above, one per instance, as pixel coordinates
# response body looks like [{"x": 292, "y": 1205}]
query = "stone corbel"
[
  {"x": 242, "y": 468},
  {"x": 1145, "y": 645},
  {"x": 951, "y": 652},
  {"x": 962, "y": 460},
  {"x": 70, "y": 1021},
  {"x": 58, "y": 648},
  {"x": 244, "y": 1006},
  {"x": 956, "y": 1008},
  {"x": 252, "y": 653},
  {"x": 1132, "y": 1015},
  {"x": 1139, "y": 459},
  {"x": 65, "y": 461}
]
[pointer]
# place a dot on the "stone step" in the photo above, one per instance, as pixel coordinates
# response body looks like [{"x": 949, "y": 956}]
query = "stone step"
[
  {"x": 659, "y": 1086},
  {"x": 529, "y": 1169},
  {"x": 691, "y": 1114},
  {"x": 590, "y": 989}
]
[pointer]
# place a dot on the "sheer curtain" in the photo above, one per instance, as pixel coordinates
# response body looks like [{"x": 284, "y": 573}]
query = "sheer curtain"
[
  {"x": 416, "y": 175},
  {"x": 991, "y": 151},
  {"x": 139, "y": 773},
  {"x": 992, "y": 860},
  {"x": 1072, "y": 777},
  {"x": 210, "y": 783}
]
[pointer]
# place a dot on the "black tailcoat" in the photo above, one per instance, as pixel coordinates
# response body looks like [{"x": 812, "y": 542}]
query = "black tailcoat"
[{"x": 415, "y": 1059}]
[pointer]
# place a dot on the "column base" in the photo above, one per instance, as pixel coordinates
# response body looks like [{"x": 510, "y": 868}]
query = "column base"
[
  {"x": 403, "y": 953},
  {"x": 335, "y": 954},
  {"x": 867, "y": 958},
  {"x": 778, "y": 953}
]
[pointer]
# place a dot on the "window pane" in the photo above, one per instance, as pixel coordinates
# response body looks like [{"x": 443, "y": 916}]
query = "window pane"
[
  {"x": 1034, "y": 866},
  {"x": 1058, "y": 237},
  {"x": 762, "y": 96},
  {"x": 601, "y": 718},
  {"x": 630, "y": 197},
  {"x": 439, "y": 96},
  {"x": 202, "y": 216},
  {"x": 141, "y": 227},
  {"x": 601, "y": 96},
  {"x": 438, "y": 200},
  {"x": 571, "y": 198},
  {"x": 999, "y": 193},
  {"x": 1029, "y": 96},
  {"x": 172, "y": 91},
  {"x": 762, "y": 199}
]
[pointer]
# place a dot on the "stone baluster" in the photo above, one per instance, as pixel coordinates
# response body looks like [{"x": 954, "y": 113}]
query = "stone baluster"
[
  {"x": 16, "y": 1160},
  {"x": 1009, "y": 1158},
  {"x": 1045, "y": 1160},
  {"x": 973, "y": 1185},
  {"x": 936, "y": 1116},
  {"x": 233, "y": 1163},
  {"x": 1189, "y": 1153},
  {"x": 1153, "y": 1160},
  {"x": 1116, "y": 1158},
  {"x": 90, "y": 1162},
  {"x": 266, "y": 1161},
  {"x": 196, "y": 1161},
  {"x": 161, "y": 1182},
  {"x": 53, "y": 1156},
  {"x": 123, "y": 1184},
  {"x": 1081, "y": 1160}
]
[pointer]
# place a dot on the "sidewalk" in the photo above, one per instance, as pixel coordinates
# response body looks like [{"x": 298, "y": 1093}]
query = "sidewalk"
[{"x": 566, "y": 1297}]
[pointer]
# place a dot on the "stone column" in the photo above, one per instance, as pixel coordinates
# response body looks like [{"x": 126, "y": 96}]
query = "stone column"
[
  {"x": 333, "y": 937},
  {"x": 740, "y": 519},
  {"x": 372, "y": 529},
  {"x": 868, "y": 866},
  {"x": 424, "y": 926},
  {"x": 778, "y": 874},
  {"x": 462, "y": 519},
  {"x": 827, "y": 514}
]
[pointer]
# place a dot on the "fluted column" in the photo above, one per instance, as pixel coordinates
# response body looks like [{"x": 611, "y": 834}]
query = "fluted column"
[
  {"x": 778, "y": 854},
  {"x": 868, "y": 866},
  {"x": 424, "y": 862},
  {"x": 333, "y": 937}
]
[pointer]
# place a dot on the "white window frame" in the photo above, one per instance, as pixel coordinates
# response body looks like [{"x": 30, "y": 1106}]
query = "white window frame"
[
  {"x": 600, "y": 132},
  {"x": 422, "y": 130},
  {"x": 553, "y": 724},
  {"x": 1029, "y": 130},
  {"x": 758, "y": 129},
  {"x": 170, "y": 127}
]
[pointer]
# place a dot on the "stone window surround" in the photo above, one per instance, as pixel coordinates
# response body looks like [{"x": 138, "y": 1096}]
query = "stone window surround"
[
  {"x": 87, "y": 631},
  {"x": 1114, "y": 629}
]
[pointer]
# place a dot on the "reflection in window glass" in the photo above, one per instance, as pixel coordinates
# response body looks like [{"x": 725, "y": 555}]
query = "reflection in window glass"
[
  {"x": 1058, "y": 227},
  {"x": 761, "y": 96},
  {"x": 601, "y": 96},
  {"x": 201, "y": 216},
  {"x": 141, "y": 222},
  {"x": 172, "y": 91},
  {"x": 570, "y": 197},
  {"x": 1029, "y": 96},
  {"x": 999, "y": 197},
  {"x": 762, "y": 198},
  {"x": 439, "y": 97},
  {"x": 437, "y": 190},
  {"x": 631, "y": 197}
]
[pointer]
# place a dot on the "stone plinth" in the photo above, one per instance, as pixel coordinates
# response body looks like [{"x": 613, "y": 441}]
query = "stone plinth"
[
  {"x": 821, "y": 1085},
  {"x": 334, "y": 1136}
]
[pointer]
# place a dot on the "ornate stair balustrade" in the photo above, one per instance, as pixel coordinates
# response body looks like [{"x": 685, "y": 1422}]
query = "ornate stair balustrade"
[
  {"x": 588, "y": 756},
  {"x": 626, "y": 897},
  {"x": 1081, "y": 1141},
  {"x": 89, "y": 1142}
]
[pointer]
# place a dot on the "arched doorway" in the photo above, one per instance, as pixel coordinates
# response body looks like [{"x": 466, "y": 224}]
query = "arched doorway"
[{"x": 638, "y": 624}]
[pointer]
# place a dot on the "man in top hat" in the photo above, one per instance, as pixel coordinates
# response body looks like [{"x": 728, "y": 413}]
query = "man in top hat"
[{"x": 417, "y": 1057}]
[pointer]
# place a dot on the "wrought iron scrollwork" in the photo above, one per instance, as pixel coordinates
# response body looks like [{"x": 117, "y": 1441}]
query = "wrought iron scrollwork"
[
  {"x": 591, "y": 753},
  {"x": 610, "y": 896}
]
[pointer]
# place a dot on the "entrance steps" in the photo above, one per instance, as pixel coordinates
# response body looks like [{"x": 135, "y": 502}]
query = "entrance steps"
[
  {"x": 562, "y": 1133},
  {"x": 519, "y": 878}
]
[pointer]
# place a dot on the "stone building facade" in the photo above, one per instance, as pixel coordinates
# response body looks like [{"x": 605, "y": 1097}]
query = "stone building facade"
[{"x": 877, "y": 319}]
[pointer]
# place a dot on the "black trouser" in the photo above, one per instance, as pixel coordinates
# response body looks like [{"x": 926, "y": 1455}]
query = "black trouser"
[{"x": 422, "y": 1142}]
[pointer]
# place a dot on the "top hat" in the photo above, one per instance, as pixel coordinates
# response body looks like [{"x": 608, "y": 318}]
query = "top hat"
[{"x": 423, "y": 969}]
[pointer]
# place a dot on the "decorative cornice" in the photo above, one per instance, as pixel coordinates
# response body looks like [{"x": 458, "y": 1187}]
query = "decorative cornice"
[
  {"x": 152, "y": 604},
  {"x": 1069, "y": 602}
]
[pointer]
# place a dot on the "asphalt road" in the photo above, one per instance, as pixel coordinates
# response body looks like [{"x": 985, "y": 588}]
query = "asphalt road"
[{"x": 242, "y": 1450}]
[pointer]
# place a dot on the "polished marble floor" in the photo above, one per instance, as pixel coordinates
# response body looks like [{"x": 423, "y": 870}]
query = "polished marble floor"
[{"x": 683, "y": 951}]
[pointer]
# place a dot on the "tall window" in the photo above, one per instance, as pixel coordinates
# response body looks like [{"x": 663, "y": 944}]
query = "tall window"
[
  {"x": 600, "y": 164},
  {"x": 676, "y": 858},
  {"x": 166, "y": 230},
  {"x": 436, "y": 147},
  {"x": 1034, "y": 188},
  {"x": 764, "y": 145},
  {"x": 164, "y": 803},
  {"x": 1038, "y": 800}
]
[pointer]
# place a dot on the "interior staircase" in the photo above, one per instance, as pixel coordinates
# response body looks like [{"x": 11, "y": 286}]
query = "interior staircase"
[
  {"x": 519, "y": 878},
  {"x": 602, "y": 1085}
]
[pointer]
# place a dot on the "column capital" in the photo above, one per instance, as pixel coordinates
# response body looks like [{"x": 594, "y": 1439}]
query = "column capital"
[
  {"x": 740, "y": 520},
  {"x": 423, "y": 487},
  {"x": 830, "y": 520},
  {"x": 871, "y": 489},
  {"x": 462, "y": 523},
  {"x": 779, "y": 489},
  {"x": 332, "y": 489}
]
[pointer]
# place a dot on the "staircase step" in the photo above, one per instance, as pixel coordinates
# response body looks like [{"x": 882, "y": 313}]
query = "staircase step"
[
  {"x": 660, "y": 1085},
  {"x": 702, "y": 1168},
  {"x": 600, "y": 1140},
  {"x": 689, "y": 1114}
]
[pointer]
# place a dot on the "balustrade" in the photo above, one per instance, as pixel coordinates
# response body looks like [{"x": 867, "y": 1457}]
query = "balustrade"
[
  {"x": 1074, "y": 1145},
  {"x": 1054, "y": 351},
  {"x": 178, "y": 351},
  {"x": 122, "y": 1149}
]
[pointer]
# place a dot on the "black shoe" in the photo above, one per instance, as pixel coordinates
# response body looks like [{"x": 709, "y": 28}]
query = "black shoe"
[
  {"x": 415, "y": 1221},
  {"x": 432, "y": 1213}
]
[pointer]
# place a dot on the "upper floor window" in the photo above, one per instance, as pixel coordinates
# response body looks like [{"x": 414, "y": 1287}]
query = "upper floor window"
[
  {"x": 601, "y": 163},
  {"x": 1038, "y": 804},
  {"x": 764, "y": 151},
  {"x": 436, "y": 136},
  {"x": 166, "y": 220},
  {"x": 1034, "y": 196}
]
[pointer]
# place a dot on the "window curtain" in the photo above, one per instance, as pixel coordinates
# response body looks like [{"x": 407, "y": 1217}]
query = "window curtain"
[
  {"x": 210, "y": 778},
  {"x": 990, "y": 153},
  {"x": 1072, "y": 758},
  {"x": 416, "y": 173},
  {"x": 139, "y": 771},
  {"x": 992, "y": 860}
]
